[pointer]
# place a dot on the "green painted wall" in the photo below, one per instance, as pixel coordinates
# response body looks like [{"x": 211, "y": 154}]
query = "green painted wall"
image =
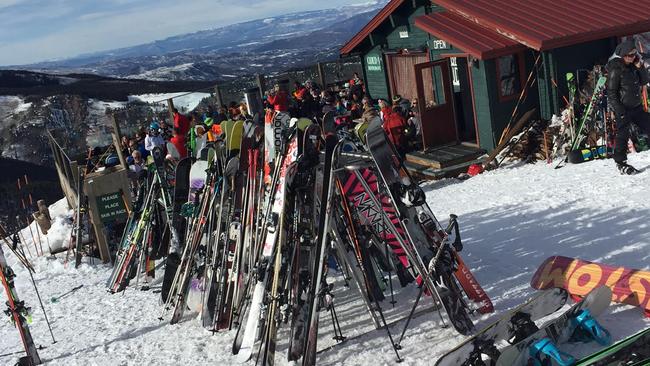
[
  {"x": 386, "y": 37},
  {"x": 404, "y": 18},
  {"x": 500, "y": 112},
  {"x": 482, "y": 105},
  {"x": 376, "y": 75}
]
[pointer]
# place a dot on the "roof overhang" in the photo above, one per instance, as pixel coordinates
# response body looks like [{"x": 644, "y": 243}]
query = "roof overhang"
[
  {"x": 375, "y": 22},
  {"x": 544, "y": 25},
  {"x": 468, "y": 36}
]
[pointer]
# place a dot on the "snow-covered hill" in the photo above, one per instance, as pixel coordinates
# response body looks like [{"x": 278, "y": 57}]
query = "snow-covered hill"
[
  {"x": 273, "y": 43},
  {"x": 511, "y": 220}
]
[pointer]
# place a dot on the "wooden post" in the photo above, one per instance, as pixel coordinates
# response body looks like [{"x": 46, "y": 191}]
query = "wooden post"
[
  {"x": 117, "y": 142},
  {"x": 260, "y": 84},
  {"x": 321, "y": 75},
  {"x": 170, "y": 108},
  {"x": 217, "y": 96}
]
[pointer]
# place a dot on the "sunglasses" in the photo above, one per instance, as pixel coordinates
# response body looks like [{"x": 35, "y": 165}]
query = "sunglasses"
[{"x": 630, "y": 55}]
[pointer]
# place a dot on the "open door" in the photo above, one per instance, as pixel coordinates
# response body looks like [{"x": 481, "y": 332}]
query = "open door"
[{"x": 436, "y": 103}]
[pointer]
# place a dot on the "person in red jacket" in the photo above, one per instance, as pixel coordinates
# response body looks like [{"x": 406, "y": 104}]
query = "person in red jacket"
[
  {"x": 279, "y": 99},
  {"x": 178, "y": 141},
  {"x": 181, "y": 122},
  {"x": 394, "y": 126}
]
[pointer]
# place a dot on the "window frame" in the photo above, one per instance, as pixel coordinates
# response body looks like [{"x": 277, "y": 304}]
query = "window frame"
[{"x": 519, "y": 61}]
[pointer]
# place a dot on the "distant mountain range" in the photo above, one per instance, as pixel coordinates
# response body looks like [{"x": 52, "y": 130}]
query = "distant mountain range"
[{"x": 260, "y": 46}]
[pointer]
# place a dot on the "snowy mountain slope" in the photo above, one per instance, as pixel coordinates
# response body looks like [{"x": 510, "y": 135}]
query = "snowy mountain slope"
[
  {"x": 511, "y": 220},
  {"x": 303, "y": 37}
]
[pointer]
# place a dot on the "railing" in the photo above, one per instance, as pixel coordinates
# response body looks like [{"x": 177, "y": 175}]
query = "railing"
[{"x": 67, "y": 170}]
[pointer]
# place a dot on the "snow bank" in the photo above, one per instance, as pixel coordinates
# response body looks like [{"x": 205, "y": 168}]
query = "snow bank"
[
  {"x": 182, "y": 101},
  {"x": 17, "y": 104},
  {"x": 511, "y": 220},
  {"x": 57, "y": 237}
]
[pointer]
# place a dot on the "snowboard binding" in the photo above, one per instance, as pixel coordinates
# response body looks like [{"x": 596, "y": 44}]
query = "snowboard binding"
[
  {"x": 588, "y": 329},
  {"x": 544, "y": 350},
  {"x": 626, "y": 169},
  {"x": 412, "y": 195},
  {"x": 522, "y": 327}
]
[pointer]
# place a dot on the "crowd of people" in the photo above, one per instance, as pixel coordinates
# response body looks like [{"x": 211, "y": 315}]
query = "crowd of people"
[
  {"x": 185, "y": 135},
  {"x": 350, "y": 105}
]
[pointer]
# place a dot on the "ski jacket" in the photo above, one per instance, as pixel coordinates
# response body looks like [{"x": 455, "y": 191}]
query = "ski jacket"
[
  {"x": 181, "y": 123},
  {"x": 279, "y": 101},
  {"x": 150, "y": 142},
  {"x": 394, "y": 125},
  {"x": 624, "y": 85}
]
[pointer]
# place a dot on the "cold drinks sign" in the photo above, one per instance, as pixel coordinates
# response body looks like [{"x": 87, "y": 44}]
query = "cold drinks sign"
[
  {"x": 111, "y": 207},
  {"x": 373, "y": 63}
]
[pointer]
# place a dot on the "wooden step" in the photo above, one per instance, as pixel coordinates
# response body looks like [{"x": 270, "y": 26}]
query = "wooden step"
[
  {"x": 426, "y": 173},
  {"x": 446, "y": 156}
]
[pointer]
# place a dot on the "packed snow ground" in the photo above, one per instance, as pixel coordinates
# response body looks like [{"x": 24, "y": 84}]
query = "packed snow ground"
[{"x": 511, "y": 220}]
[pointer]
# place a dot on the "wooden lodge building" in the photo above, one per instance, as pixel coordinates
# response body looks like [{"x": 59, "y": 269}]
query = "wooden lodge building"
[{"x": 467, "y": 61}]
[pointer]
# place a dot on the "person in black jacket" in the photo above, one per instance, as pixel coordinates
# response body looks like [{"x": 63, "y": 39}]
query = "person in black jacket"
[{"x": 627, "y": 75}]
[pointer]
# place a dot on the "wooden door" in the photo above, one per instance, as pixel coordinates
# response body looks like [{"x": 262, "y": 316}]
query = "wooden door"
[{"x": 436, "y": 103}]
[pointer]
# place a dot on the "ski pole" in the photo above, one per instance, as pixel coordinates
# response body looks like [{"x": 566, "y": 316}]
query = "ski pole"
[
  {"x": 408, "y": 320},
  {"x": 42, "y": 307},
  {"x": 56, "y": 299}
]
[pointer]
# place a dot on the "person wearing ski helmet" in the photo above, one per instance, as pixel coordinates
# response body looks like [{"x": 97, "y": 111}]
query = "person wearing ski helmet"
[
  {"x": 627, "y": 74},
  {"x": 153, "y": 137}
]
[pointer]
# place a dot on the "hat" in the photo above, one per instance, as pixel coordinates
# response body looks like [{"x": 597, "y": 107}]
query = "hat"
[
  {"x": 625, "y": 47},
  {"x": 397, "y": 98}
]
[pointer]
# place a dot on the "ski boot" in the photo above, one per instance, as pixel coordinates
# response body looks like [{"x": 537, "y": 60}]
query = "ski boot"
[{"x": 626, "y": 169}]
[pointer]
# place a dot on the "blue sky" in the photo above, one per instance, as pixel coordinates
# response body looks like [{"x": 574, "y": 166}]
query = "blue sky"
[{"x": 38, "y": 30}]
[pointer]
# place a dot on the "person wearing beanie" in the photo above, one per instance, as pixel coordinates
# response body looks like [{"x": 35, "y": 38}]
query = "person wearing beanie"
[{"x": 626, "y": 75}]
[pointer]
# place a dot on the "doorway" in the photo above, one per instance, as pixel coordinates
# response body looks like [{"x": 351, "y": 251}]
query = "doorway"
[
  {"x": 464, "y": 99},
  {"x": 436, "y": 103}
]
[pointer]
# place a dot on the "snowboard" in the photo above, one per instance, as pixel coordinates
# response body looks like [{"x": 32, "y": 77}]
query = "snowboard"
[
  {"x": 414, "y": 212},
  {"x": 486, "y": 341},
  {"x": 181, "y": 190},
  {"x": 329, "y": 123},
  {"x": 633, "y": 350},
  {"x": 588, "y": 154},
  {"x": 556, "y": 332},
  {"x": 578, "y": 277}
]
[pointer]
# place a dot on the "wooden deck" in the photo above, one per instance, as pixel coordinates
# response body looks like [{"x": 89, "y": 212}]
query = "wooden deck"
[
  {"x": 444, "y": 161},
  {"x": 445, "y": 156}
]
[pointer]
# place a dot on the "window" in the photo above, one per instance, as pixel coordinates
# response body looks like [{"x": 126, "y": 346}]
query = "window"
[{"x": 508, "y": 76}]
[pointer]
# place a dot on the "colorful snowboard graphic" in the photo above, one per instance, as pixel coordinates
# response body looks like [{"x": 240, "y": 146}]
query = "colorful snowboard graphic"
[{"x": 579, "y": 277}]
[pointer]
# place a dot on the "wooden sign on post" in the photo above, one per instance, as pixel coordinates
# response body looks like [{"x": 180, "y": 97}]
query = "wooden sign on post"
[{"x": 111, "y": 208}]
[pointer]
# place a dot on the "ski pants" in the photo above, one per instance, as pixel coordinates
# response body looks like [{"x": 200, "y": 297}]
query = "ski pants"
[{"x": 635, "y": 115}]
